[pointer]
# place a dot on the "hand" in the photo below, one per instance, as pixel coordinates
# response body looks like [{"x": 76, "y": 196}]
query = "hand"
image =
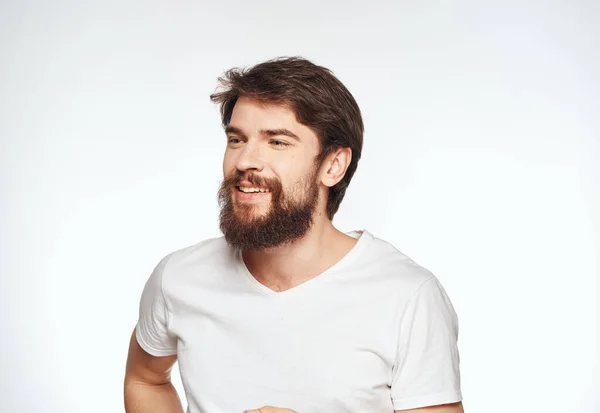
[{"x": 270, "y": 409}]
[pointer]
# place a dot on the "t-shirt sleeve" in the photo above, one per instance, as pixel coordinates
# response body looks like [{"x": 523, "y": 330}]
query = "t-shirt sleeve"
[
  {"x": 152, "y": 329},
  {"x": 426, "y": 372}
]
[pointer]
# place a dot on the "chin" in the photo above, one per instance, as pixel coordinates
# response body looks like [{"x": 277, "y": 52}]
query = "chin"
[{"x": 246, "y": 210}]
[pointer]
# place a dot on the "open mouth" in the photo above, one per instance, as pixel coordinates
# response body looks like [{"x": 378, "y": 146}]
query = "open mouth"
[{"x": 251, "y": 190}]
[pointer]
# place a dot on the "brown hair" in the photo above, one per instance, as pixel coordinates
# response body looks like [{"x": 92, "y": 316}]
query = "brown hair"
[{"x": 318, "y": 98}]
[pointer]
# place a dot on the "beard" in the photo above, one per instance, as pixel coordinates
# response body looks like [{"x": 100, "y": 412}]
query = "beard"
[{"x": 286, "y": 220}]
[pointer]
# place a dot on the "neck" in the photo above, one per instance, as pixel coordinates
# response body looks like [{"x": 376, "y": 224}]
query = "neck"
[{"x": 290, "y": 265}]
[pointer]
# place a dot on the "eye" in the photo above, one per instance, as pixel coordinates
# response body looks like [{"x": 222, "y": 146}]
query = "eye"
[
  {"x": 232, "y": 140},
  {"x": 277, "y": 142}
]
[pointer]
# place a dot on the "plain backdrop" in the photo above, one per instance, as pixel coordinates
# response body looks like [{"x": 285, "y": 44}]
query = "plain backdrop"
[{"x": 480, "y": 162}]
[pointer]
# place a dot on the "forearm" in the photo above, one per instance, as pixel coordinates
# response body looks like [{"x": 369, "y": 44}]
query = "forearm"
[{"x": 148, "y": 398}]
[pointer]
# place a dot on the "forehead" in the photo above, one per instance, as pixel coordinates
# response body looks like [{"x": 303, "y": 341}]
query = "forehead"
[{"x": 252, "y": 115}]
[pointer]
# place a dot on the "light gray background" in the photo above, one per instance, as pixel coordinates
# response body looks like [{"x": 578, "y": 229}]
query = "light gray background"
[{"x": 480, "y": 162}]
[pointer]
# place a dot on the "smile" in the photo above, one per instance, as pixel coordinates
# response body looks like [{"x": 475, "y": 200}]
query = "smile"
[{"x": 249, "y": 190}]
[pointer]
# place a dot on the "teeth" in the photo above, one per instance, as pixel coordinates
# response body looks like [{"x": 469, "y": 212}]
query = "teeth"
[{"x": 250, "y": 190}]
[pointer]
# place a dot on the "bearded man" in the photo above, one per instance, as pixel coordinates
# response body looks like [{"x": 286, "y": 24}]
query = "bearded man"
[{"x": 285, "y": 313}]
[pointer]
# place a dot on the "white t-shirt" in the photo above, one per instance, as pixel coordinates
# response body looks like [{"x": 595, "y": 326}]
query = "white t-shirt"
[{"x": 374, "y": 333}]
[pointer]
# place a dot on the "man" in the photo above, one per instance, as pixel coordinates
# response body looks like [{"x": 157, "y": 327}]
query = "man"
[{"x": 285, "y": 313}]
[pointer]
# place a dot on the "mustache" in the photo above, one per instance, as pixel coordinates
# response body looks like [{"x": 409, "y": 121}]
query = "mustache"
[{"x": 254, "y": 179}]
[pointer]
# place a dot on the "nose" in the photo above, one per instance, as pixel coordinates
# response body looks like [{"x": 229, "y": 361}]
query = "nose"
[{"x": 249, "y": 159}]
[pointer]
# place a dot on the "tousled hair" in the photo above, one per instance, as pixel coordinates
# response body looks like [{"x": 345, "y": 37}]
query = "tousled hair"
[{"x": 319, "y": 100}]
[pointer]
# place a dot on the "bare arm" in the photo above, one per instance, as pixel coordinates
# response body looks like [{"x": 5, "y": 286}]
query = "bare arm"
[{"x": 148, "y": 387}]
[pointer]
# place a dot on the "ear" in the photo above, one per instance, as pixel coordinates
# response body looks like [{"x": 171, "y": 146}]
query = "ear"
[{"x": 335, "y": 166}]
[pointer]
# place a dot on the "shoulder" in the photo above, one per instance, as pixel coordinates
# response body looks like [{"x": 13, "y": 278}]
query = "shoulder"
[
  {"x": 394, "y": 268},
  {"x": 203, "y": 249},
  {"x": 184, "y": 272},
  {"x": 415, "y": 286},
  {"x": 210, "y": 252},
  {"x": 209, "y": 249}
]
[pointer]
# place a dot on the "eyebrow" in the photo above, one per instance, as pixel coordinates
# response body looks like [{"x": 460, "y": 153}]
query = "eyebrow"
[
  {"x": 279, "y": 132},
  {"x": 265, "y": 132}
]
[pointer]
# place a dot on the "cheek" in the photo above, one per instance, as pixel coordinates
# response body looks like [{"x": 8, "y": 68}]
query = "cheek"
[
  {"x": 290, "y": 173},
  {"x": 298, "y": 181},
  {"x": 228, "y": 164}
]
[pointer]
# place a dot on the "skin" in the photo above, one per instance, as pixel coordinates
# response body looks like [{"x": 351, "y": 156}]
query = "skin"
[
  {"x": 148, "y": 387},
  {"x": 253, "y": 147}
]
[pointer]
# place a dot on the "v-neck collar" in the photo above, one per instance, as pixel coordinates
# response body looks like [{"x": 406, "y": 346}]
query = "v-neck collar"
[{"x": 364, "y": 238}]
